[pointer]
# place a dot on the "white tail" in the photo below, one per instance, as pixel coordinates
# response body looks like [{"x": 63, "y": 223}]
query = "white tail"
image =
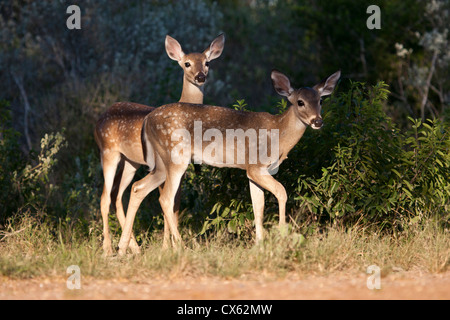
[
  {"x": 257, "y": 142},
  {"x": 118, "y": 133}
]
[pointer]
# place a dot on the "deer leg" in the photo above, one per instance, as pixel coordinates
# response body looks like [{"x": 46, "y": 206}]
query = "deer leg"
[
  {"x": 257, "y": 195},
  {"x": 167, "y": 199},
  {"x": 139, "y": 191},
  {"x": 109, "y": 165},
  {"x": 176, "y": 209},
  {"x": 166, "y": 224},
  {"x": 262, "y": 177},
  {"x": 128, "y": 172}
]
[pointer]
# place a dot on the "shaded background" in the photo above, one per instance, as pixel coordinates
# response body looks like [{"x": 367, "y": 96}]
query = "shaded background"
[{"x": 59, "y": 80}]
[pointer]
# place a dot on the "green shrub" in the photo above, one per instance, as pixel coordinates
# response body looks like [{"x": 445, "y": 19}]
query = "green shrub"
[
  {"x": 11, "y": 161},
  {"x": 376, "y": 173},
  {"x": 25, "y": 180}
]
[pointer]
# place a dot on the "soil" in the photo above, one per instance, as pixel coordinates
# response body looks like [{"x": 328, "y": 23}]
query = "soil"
[{"x": 397, "y": 285}]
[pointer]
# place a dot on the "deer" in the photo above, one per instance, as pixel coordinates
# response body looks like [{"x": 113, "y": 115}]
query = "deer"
[
  {"x": 175, "y": 134},
  {"x": 118, "y": 133}
]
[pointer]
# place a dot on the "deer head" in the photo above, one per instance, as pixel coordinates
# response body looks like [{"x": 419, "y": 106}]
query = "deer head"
[
  {"x": 307, "y": 101},
  {"x": 195, "y": 65}
]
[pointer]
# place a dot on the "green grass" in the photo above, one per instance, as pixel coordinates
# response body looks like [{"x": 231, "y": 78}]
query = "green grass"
[{"x": 32, "y": 249}]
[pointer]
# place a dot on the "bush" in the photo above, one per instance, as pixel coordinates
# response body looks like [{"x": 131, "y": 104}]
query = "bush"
[
  {"x": 25, "y": 180},
  {"x": 378, "y": 173},
  {"x": 11, "y": 160}
]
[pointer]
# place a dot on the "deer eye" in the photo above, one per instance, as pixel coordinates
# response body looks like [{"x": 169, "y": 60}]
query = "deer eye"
[
  {"x": 187, "y": 64},
  {"x": 300, "y": 103},
  {"x": 321, "y": 100},
  {"x": 207, "y": 63}
]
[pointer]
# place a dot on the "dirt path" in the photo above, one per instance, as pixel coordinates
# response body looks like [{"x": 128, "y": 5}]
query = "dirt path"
[{"x": 402, "y": 285}]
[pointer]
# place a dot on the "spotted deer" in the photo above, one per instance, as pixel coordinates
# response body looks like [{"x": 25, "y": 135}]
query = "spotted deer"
[
  {"x": 118, "y": 133},
  {"x": 177, "y": 133}
]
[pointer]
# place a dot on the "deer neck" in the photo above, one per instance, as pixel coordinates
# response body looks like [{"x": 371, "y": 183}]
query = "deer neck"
[
  {"x": 191, "y": 93},
  {"x": 291, "y": 130}
]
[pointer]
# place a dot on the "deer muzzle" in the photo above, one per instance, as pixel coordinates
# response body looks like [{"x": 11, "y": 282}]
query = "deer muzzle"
[
  {"x": 200, "y": 77},
  {"x": 317, "y": 123}
]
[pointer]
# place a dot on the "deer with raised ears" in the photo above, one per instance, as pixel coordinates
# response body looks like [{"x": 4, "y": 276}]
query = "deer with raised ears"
[
  {"x": 177, "y": 133},
  {"x": 118, "y": 133}
]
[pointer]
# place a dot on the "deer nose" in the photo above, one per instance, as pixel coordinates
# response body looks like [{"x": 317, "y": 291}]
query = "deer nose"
[
  {"x": 317, "y": 122},
  {"x": 200, "y": 77}
]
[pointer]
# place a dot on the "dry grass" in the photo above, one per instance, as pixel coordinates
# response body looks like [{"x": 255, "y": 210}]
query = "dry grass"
[{"x": 29, "y": 249}]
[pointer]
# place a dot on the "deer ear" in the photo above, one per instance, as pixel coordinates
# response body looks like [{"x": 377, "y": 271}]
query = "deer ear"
[
  {"x": 173, "y": 49},
  {"x": 215, "y": 48},
  {"x": 326, "y": 86},
  {"x": 281, "y": 83}
]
